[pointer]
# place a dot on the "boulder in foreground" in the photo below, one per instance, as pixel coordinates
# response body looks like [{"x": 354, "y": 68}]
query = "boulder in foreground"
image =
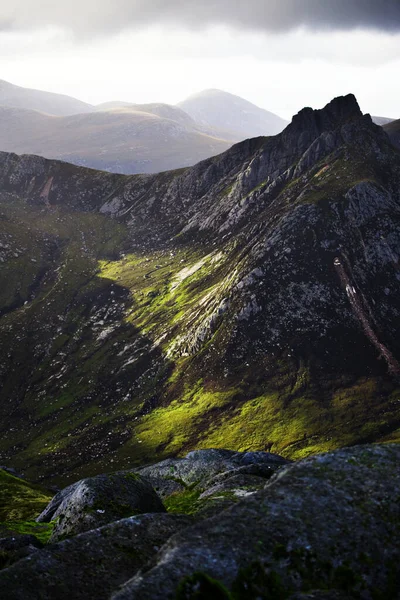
[
  {"x": 328, "y": 523},
  {"x": 90, "y": 565}
]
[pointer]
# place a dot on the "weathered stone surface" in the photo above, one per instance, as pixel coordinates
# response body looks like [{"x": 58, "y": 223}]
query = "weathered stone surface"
[
  {"x": 238, "y": 485},
  {"x": 95, "y": 501},
  {"x": 92, "y": 564},
  {"x": 328, "y": 522},
  {"x": 263, "y": 470}
]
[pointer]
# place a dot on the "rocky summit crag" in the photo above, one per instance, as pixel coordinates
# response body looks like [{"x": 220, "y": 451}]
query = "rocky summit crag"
[
  {"x": 249, "y": 302},
  {"x": 326, "y": 527}
]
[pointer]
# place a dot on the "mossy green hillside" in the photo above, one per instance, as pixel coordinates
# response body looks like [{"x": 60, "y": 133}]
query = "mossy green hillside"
[
  {"x": 20, "y": 500},
  {"x": 176, "y": 408},
  {"x": 171, "y": 290},
  {"x": 20, "y": 503},
  {"x": 294, "y": 424}
]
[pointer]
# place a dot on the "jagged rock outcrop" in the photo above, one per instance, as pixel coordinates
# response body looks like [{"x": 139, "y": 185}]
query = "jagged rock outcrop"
[{"x": 249, "y": 302}]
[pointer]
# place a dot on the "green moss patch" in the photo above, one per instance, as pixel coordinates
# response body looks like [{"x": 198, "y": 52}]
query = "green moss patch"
[
  {"x": 20, "y": 500},
  {"x": 186, "y": 502},
  {"x": 42, "y": 531}
]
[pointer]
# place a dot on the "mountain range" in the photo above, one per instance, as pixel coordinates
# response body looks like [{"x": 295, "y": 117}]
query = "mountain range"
[
  {"x": 124, "y": 140},
  {"x": 130, "y": 138},
  {"x": 127, "y": 138},
  {"x": 247, "y": 302}
]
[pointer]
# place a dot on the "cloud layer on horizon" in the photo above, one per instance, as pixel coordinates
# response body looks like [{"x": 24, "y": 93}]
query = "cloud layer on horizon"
[{"x": 109, "y": 16}]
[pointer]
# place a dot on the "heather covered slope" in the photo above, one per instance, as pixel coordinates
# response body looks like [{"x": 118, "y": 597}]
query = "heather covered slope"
[{"x": 250, "y": 301}]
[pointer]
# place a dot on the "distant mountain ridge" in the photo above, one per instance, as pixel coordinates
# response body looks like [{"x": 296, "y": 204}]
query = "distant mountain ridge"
[
  {"x": 382, "y": 120},
  {"x": 126, "y": 137},
  {"x": 122, "y": 141},
  {"x": 15, "y": 96},
  {"x": 116, "y": 136}
]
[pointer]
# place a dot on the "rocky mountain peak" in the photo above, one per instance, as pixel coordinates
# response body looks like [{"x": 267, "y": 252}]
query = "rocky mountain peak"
[{"x": 337, "y": 112}]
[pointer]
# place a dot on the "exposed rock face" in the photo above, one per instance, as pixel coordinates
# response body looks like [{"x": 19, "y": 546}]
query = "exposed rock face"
[
  {"x": 249, "y": 302},
  {"x": 330, "y": 522},
  {"x": 90, "y": 565},
  {"x": 95, "y": 501}
]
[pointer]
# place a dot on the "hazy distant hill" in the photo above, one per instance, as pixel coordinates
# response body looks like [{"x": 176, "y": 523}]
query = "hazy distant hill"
[
  {"x": 123, "y": 141},
  {"x": 393, "y": 131},
  {"x": 112, "y": 105},
  {"x": 167, "y": 111},
  {"x": 47, "y": 102},
  {"x": 238, "y": 118},
  {"x": 382, "y": 120},
  {"x": 126, "y": 137}
]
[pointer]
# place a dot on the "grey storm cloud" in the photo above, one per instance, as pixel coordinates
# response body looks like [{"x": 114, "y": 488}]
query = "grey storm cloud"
[{"x": 102, "y": 16}]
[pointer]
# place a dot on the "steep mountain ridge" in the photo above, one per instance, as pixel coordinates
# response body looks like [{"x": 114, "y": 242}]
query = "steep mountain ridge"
[{"x": 252, "y": 300}]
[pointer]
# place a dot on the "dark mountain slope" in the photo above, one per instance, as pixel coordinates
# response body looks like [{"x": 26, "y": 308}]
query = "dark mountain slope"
[
  {"x": 248, "y": 302},
  {"x": 53, "y": 104}
]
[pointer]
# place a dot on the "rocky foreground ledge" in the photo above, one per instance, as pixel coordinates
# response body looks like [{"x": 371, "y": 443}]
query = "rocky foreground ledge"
[{"x": 221, "y": 525}]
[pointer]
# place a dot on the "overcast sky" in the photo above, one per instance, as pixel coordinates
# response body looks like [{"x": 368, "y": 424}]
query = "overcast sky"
[{"x": 280, "y": 54}]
